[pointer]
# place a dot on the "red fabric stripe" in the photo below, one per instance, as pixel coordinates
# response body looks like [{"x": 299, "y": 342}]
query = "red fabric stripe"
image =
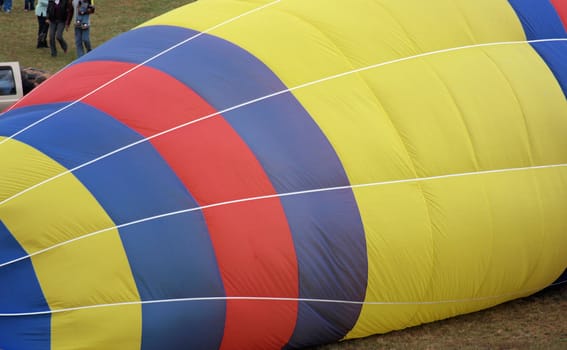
[
  {"x": 561, "y": 8},
  {"x": 84, "y": 78},
  {"x": 252, "y": 240}
]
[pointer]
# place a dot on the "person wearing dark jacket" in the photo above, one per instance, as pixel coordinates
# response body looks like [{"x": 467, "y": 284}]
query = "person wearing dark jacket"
[{"x": 59, "y": 16}]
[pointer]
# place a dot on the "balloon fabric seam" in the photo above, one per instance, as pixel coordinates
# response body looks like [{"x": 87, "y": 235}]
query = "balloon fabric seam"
[{"x": 281, "y": 195}]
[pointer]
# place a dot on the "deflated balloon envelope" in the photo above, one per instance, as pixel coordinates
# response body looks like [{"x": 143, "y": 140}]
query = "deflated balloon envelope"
[{"x": 268, "y": 175}]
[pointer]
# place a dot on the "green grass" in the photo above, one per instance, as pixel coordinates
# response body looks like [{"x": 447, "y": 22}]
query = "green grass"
[
  {"x": 536, "y": 322},
  {"x": 112, "y": 17}
]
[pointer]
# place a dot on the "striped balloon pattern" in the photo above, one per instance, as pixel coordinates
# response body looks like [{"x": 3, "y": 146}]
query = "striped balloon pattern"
[{"x": 281, "y": 174}]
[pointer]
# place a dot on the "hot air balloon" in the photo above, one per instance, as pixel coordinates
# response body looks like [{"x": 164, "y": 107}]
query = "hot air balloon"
[{"x": 281, "y": 174}]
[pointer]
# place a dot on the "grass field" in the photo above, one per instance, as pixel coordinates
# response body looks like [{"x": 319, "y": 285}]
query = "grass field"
[
  {"x": 19, "y": 30},
  {"x": 535, "y": 322}
]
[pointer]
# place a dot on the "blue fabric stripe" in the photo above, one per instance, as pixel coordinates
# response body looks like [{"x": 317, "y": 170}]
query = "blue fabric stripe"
[
  {"x": 25, "y": 332},
  {"x": 170, "y": 257},
  {"x": 20, "y": 292},
  {"x": 555, "y": 55},
  {"x": 322, "y": 225},
  {"x": 294, "y": 153},
  {"x": 195, "y": 325},
  {"x": 539, "y": 19},
  {"x": 10, "y": 249}
]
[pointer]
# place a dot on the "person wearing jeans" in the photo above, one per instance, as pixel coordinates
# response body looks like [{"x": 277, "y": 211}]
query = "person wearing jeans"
[
  {"x": 59, "y": 15},
  {"x": 83, "y": 10},
  {"x": 7, "y": 7}
]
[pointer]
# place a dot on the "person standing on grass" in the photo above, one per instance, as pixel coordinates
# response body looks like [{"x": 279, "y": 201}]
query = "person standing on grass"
[
  {"x": 83, "y": 10},
  {"x": 28, "y": 5},
  {"x": 42, "y": 25},
  {"x": 7, "y": 7},
  {"x": 59, "y": 16}
]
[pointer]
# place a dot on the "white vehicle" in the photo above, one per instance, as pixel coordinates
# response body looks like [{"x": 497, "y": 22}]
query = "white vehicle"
[{"x": 11, "y": 88}]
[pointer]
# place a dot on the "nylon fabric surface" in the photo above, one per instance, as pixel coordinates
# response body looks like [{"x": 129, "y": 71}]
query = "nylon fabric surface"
[{"x": 282, "y": 174}]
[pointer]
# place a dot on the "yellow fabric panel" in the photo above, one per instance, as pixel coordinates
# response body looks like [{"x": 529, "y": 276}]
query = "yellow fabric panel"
[
  {"x": 471, "y": 22},
  {"x": 82, "y": 329},
  {"x": 70, "y": 275},
  {"x": 462, "y": 243},
  {"x": 544, "y": 114},
  {"x": 202, "y": 15},
  {"x": 552, "y": 187},
  {"x": 471, "y": 109},
  {"x": 397, "y": 219},
  {"x": 422, "y": 110},
  {"x": 362, "y": 134}
]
